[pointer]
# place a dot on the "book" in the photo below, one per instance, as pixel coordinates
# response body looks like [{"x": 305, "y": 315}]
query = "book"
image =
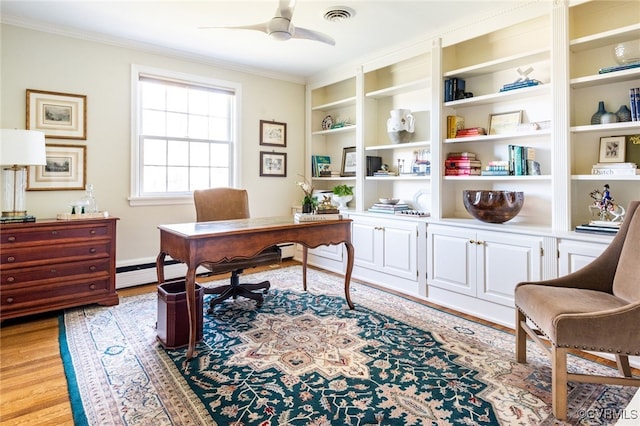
[
  {"x": 519, "y": 85},
  {"x": 615, "y": 68},
  {"x": 628, "y": 165},
  {"x": 603, "y": 230},
  {"x": 312, "y": 217},
  {"x": 614, "y": 171},
  {"x": 321, "y": 165},
  {"x": 632, "y": 149},
  {"x": 467, "y": 155},
  {"x": 463, "y": 172},
  {"x": 635, "y": 114},
  {"x": 454, "y": 123},
  {"x": 471, "y": 131},
  {"x": 495, "y": 173}
]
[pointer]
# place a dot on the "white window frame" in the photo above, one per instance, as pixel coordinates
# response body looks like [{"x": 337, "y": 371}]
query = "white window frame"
[{"x": 135, "y": 196}]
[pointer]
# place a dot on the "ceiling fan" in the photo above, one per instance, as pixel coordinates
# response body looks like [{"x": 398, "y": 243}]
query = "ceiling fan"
[{"x": 281, "y": 28}]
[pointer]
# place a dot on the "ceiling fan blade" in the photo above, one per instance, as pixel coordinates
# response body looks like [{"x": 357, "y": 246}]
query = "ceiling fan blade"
[
  {"x": 257, "y": 27},
  {"x": 313, "y": 35}
]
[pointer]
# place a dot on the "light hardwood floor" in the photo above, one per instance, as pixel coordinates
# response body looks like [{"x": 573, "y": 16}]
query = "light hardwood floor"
[{"x": 33, "y": 387}]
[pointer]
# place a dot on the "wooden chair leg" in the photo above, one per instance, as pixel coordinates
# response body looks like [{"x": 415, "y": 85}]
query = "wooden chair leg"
[
  {"x": 559, "y": 387},
  {"x": 623, "y": 365},
  {"x": 521, "y": 338}
]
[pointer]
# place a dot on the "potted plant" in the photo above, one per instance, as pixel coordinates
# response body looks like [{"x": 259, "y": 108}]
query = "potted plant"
[{"x": 342, "y": 194}]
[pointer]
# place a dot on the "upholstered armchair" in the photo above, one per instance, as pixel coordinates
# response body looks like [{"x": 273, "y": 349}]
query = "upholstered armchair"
[
  {"x": 596, "y": 309},
  {"x": 228, "y": 204}
]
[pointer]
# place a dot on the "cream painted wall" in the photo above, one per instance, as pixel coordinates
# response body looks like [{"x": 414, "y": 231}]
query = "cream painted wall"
[{"x": 42, "y": 61}]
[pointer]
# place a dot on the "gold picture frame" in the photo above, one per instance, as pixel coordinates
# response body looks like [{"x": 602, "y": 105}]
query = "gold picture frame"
[
  {"x": 58, "y": 115},
  {"x": 66, "y": 169},
  {"x": 504, "y": 123}
]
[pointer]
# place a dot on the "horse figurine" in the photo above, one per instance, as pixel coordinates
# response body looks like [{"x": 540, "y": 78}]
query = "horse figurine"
[{"x": 605, "y": 208}]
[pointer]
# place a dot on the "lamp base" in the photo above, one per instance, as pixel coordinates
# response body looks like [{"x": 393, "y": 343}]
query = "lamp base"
[{"x": 17, "y": 219}]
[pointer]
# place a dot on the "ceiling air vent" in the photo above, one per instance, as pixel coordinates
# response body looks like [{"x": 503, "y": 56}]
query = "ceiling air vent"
[{"x": 339, "y": 13}]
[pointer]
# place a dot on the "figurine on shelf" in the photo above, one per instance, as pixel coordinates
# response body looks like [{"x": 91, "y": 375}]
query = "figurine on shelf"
[{"x": 603, "y": 204}]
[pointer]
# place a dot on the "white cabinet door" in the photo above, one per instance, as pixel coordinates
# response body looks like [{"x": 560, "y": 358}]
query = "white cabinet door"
[
  {"x": 504, "y": 260},
  {"x": 363, "y": 237},
  {"x": 577, "y": 254},
  {"x": 452, "y": 259}
]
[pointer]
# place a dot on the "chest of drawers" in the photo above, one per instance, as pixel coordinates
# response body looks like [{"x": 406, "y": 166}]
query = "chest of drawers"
[{"x": 55, "y": 264}]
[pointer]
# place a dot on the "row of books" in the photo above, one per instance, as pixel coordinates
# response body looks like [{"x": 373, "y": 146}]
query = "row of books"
[
  {"x": 614, "y": 169},
  {"x": 522, "y": 161},
  {"x": 320, "y": 166},
  {"x": 388, "y": 208},
  {"x": 462, "y": 164},
  {"x": 454, "y": 89},
  {"x": 634, "y": 101}
]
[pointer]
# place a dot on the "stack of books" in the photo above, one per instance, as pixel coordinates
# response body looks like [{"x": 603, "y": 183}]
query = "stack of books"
[
  {"x": 519, "y": 85},
  {"x": 496, "y": 168},
  {"x": 388, "y": 208},
  {"x": 614, "y": 169},
  {"x": 634, "y": 101},
  {"x": 471, "y": 131},
  {"x": 615, "y": 68},
  {"x": 600, "y": 227},
  {"x": 462, "y": 164},
  {"x": 314, "y": 217},
  {"x": 384, "y": 173}
]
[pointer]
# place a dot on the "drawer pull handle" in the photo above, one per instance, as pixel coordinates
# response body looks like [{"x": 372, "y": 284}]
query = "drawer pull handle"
[
  {"x": 9, "y": 299},
  {"x": 92, "y": 287},
  {"x": 11, "y": 259},
  {"x": 472, "y": 241},
  {"x": 92, "y": 268},
  {"x": 11, "y": 279},
  {"x": 54, "y": 271},
  {"x": 54, "y": 232},
  {"x": 92, "y": 232},
  {"x": 92, "y": 250},
  {"x": 480, "y": 242},
  {"x": 11, "y": 239}
]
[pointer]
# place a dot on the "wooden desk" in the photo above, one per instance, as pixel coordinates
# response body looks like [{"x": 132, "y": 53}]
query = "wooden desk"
[{"x": 199, "y": 242}]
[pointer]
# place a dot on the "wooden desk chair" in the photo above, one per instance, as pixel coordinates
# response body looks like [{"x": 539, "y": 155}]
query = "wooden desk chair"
[
  {"x": 226, "y": 204},
  {"x": 596, "y": 308}
]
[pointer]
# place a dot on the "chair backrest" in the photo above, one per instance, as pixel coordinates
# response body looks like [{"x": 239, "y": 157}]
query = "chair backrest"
[
  {"x": 626, "y": 282},
  {"x": 221, "y": 204}
]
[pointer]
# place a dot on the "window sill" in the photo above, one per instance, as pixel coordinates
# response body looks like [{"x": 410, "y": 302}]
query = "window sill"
[{"x": 160, "y": 200}]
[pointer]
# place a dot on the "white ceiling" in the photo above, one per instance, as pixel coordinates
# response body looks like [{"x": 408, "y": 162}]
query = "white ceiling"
[{"x": 174, "y": 26}]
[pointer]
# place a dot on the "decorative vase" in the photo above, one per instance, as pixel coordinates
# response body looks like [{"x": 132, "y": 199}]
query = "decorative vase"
[
  {"x": 307, "y": 208},
  {"x": 596, "y": 118},
  {"x": 624, "y": 114},
  {"x": 400, "y": 126},
  {"x": 608, "y": 118},
  {"x": 342, "y": 200}
]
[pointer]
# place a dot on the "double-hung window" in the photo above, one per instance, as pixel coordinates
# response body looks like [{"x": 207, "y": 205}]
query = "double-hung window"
[{"x": 184, "y": 137}]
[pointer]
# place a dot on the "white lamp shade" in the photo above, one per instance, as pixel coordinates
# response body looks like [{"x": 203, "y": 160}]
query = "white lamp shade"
[{"x": 22, "y": 147}]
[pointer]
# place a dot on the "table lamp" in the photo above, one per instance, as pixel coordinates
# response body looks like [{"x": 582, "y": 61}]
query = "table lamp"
[{"x": 18, "y": 149}]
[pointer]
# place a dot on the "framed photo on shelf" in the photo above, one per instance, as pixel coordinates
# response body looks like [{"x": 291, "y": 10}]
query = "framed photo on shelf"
[
  {"x": 58, "y": 115},
  {"x": 612, "y": 149},
  {"x": 504, "y": 123},
  {"x": 348, "y": 161},
  {"x": 273, "y": 133},
  {"x": 65, "y": 169},
  {"x": 273, "y": 164}
]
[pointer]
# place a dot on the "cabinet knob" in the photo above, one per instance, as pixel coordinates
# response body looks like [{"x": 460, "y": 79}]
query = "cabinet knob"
[
  {"x": 472, "y": 241},
  {"x": 92, "y": 232},
  {"x": 54, "y": 232},
  {"x": 11, "y": 279},
  {"x": 9, "y": 299},
  {"x": 53, "y": 271},
  {"x": 11, "y": 238},
  {"x": 92, "y": 250},
  {"x": 92, "y": 287},
  {"x": 11, "y": 259},
  {"x": 92, "y": 268},
  {"x": 480, "y": 242}
]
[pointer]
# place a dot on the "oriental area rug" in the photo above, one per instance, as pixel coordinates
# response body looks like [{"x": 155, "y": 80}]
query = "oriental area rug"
[{"x": 304, "y": 358}]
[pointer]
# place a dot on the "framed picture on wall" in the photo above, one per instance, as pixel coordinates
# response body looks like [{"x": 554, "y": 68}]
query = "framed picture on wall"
[
  {"x": 66, "y": 169},
  {"x": 58, "y": 115},
  {"x": 273, "y": 164},
  {"x": 273, "y": 133}
]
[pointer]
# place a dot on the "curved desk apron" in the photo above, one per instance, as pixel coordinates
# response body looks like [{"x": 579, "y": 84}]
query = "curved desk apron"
[{"x": 212, "y": 242}]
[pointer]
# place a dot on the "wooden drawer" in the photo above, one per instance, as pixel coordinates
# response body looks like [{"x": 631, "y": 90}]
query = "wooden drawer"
[
  {"x": 17, "y": 257},
  {"x": 52, "y": 234},
  {"x": 66, "y": 293},
  {"x": 53, "y": 272}
]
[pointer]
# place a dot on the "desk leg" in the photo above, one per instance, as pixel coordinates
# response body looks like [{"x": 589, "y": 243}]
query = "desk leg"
[
  {"x": 347, "y": 274},
  {"x": 305, "y": 252},
  {"x": 190, "y": 288},
  {"x": 160, "y": 266}
]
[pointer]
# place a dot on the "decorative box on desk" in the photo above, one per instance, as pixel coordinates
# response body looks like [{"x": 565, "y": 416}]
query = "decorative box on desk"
[{"x": 55, "y": 264}]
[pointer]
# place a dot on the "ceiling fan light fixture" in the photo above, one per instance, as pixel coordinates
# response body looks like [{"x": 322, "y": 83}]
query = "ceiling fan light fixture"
[
  {"x": 339, "y": 13},
  {"x": 280, "y": 35}
]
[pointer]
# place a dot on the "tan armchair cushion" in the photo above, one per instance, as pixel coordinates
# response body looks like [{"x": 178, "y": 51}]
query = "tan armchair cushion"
[{"x": 626, "y": 283}]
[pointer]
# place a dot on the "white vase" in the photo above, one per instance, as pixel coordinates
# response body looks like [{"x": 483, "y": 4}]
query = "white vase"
[{"x": 342, "y": 200}]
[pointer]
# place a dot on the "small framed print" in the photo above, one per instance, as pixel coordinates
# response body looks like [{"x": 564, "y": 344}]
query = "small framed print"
[
  {"x": 612, "y": 149},
  {"x": 273, "y": 164},
  {"x": 273, "y": 133},
  {"x": 58, "y": 115},
  {"x": 66, "y": 169},
  {"x": 348, "y": 161},
  {"x": 504, "y": 123}
]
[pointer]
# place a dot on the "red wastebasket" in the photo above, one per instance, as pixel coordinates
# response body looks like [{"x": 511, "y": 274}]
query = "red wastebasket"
[{"x": 173, "y": 318}]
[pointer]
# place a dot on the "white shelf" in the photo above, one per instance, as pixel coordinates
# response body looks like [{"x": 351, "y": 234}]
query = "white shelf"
[
  {"x": 606, "y": 78},
  {"x": 605, "y": 38},
  {"x": 421, "y": 84},
  {"x": 540, "y": 90},
  {"x": 500, "y": 64},
  {"x": 593, "y": 128},
  {"x": 417, "y": 144},
  {"x": 342, "y": 103},
  {"x": 488, "y": 138},
  {"x": 349, "y": 128}
]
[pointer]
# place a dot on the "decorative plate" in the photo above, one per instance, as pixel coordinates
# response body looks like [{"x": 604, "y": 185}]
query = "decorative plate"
[{"x": 327, "y": 122}]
